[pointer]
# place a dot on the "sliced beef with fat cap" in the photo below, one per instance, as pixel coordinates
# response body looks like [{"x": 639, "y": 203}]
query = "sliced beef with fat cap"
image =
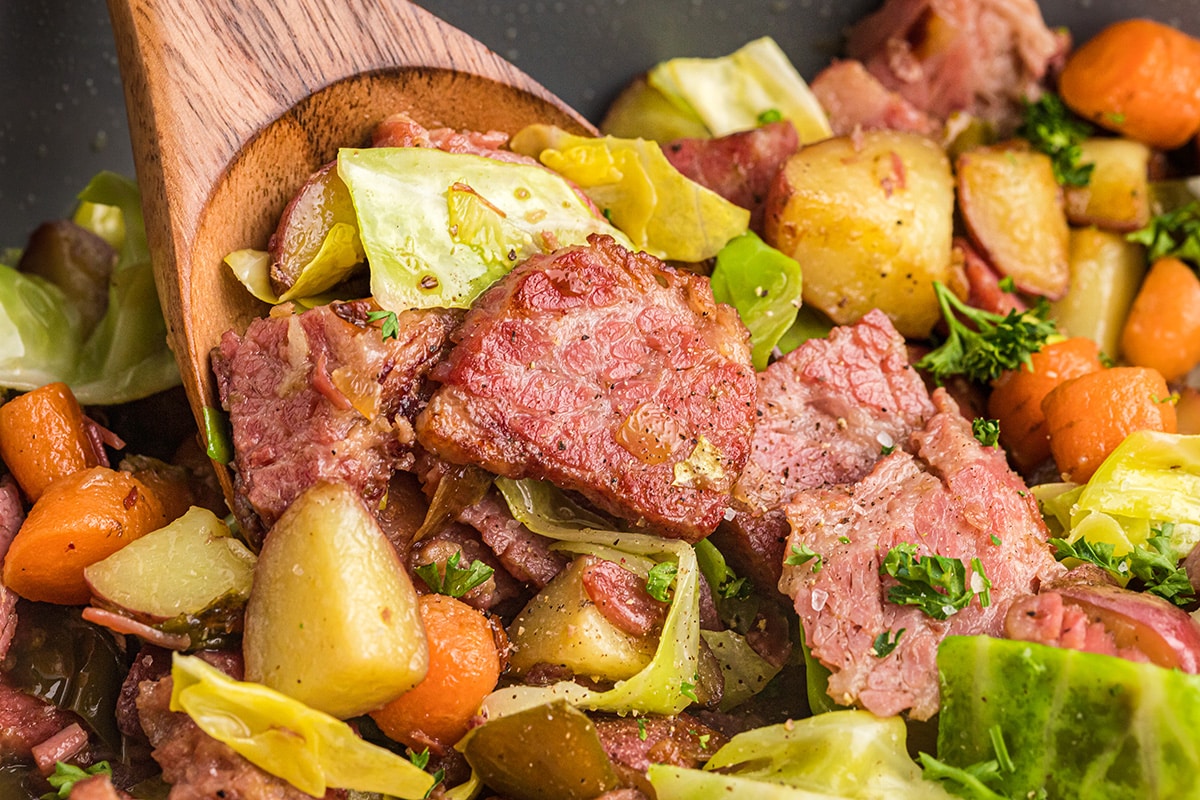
[{"x": 608, "y": 373}]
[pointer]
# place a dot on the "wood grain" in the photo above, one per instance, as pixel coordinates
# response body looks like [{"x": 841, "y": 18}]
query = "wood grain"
[{"x": 232, "y": 104}]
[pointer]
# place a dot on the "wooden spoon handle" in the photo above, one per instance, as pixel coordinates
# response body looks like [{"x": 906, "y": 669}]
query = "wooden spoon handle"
[{"x": 233, "y": 104}]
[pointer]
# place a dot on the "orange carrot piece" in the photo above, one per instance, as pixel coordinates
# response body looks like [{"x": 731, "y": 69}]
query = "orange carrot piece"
[
  {"x": 1090, "y": 415},
  {"x": 1163, "y": 327},
  {"x": 1139, "y": 78},
  {"x": 1016, "y": 399},
  {"x": 43, "y": 438},
  {"x": 464, "y": 665},
  {"x": 79, "y": 519}
]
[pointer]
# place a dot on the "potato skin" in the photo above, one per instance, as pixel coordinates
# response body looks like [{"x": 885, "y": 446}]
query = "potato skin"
[{"x": 869, "y": 218}]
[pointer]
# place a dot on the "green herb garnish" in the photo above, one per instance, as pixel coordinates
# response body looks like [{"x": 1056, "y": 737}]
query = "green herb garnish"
[
  {"x": 987, "y": 431},
  {"x": 802, "y": 554},
  {"x": 936, "y": 584},
  {"x": 1051, "y": 128},
  {"x": 769, "y": 116},
  {"x": 886, "y": 642},
  {"x": 454, "y": 580},
  {"x": 998, "y": 343},
  {"x": 67, "y": 775},
  {"x": 1174, "y": 233},
  {"x": 390, "y": 329},
  {"x": 1154, "y": 565},
  {"x": 658, "y": 582}
]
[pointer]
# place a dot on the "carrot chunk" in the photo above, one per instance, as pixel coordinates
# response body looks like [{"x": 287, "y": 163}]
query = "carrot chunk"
[
  {"x": 1090, "y": 415},
  {"x": 1016, "y": 399},
  {"x": 43, "y": 437},
  {"x": 1162, "y": 330},
  {"x": 464, "y": 665},
  {"x": 79, "y": 519},
  {"x": 1139, "y": 78}
]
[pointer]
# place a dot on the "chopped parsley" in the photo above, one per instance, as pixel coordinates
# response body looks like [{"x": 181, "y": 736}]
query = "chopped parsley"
[
  {"x": 641, "y": 728},
  {"x": 769, "y": 116},
  {"x": 67, "y": 775},
  {"x": 972, "y": 781},
  {"x": 1174, "y": 233},
  {"x": 802, "y": 554},
  {"x": 936, "y": 584},
  {"x": 996, "y": 540},
  {"x": 420, "y": 761},
  {"x": 1154, "y": 565},
  {"x": 1052, "y": 129},
  {"x": 688, "y": 690},
  {"x": 887, "y": 449},
  {"x": 987, "y": 431},
  {"x": 886, "y": 642},
  {"x": 998, "y": 343},
  {"x": 390, "y": 329},
  {"x": 658, "y": 582},
  {"x": 455, "y": 580}
]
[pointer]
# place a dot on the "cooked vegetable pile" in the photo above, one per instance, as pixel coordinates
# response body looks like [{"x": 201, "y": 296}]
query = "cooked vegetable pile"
[{"x": 786, "y": 441}]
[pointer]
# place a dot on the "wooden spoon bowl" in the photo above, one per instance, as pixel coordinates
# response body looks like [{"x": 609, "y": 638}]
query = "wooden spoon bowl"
[{"x": 233, "y": 105}]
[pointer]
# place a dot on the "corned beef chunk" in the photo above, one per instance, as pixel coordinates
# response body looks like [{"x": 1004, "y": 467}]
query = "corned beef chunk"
[
  {"x": 855, "y": 99},
  {"x": 951, "y": 497},
  {"x": 740, "y": 167},
  {"x": 608, "y": 373},
  {"x": 323, "y": 396},
  {"x": 197, "y": 766},
  {"x": 634, "y": 744},
  {"x": 979, "y": 56},
  {"x": 826, "y": 413}
]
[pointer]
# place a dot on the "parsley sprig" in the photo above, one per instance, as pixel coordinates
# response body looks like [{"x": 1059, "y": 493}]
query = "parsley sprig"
[
  {"x": 886, "y": 642},
  {"x": 986, "y": 431},
  {"x": 390, "y": 329},
  {"x": 1174, "y": 233},
  {"x": 67, "y": 775},
  {"x": 452, "y": 579},
  {"x": 1051, "y": 128},
  {"x": 802, "y": 554},
  {"x": 658, "y": 582},
  {"x": 421, "y": 761},
  {"x": 1154, "y": 565},
  {"x": 1000, "y": 342},
  {"x": 936, "y": 584}
]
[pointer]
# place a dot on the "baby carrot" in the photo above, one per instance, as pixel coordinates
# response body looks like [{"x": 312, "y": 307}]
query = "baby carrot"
[
  {"x": 1138, "y": 78},
  {"x": 43, "y": 438},
  {"x": 464, "y": 665},
  {"x": 1089, "y": 416},
  {"x": 1016, "y": 399},
  {"x": 1163, "y": 327},
  {"x": 79, "y": 519}
]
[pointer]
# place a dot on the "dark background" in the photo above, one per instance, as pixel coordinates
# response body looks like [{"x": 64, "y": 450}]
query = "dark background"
[{"x": 62, "y": 112}]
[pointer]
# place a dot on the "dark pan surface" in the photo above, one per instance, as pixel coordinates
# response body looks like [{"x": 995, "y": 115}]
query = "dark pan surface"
[{"x": 62, "y": 110}]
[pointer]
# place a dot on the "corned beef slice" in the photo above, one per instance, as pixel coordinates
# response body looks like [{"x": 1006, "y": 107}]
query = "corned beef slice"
[
  {"x": 606, "y": 372},
  {"x": 979, "y": 56},
  {"x": 316, "y": 397},
  {"x": 826, "y": 411},
  {"x": 740, "y": 167},
  {"x": 949, "y": 497}
]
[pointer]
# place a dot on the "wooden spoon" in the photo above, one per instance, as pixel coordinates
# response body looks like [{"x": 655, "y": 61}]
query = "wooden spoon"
[{"x": 233, "y": 104}]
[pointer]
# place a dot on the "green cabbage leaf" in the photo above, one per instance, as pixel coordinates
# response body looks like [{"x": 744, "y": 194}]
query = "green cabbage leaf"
[
  {"x": 125, "y": 357},
  {"x": 438, "y": 228},
  {"x": 1074, "y": 724},
  {"x": 662, "y": 687},
  {"x": 840, "y": 754},
  {"x": 307, "y": 748},
  {"x": 764, "y": 286}
]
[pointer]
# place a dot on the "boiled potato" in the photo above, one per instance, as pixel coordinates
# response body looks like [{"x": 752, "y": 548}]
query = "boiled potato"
[
  {"x": 869, "y": 218},
  {"x": 333, "y": 619},
  {"x": 1013, "y": 208},
  {"x": 182, "y": 568},
  {"x": 563, "y": 627},
  {"x": 1106, "y": 272},
  {"x": 1117, "y": 198}
]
